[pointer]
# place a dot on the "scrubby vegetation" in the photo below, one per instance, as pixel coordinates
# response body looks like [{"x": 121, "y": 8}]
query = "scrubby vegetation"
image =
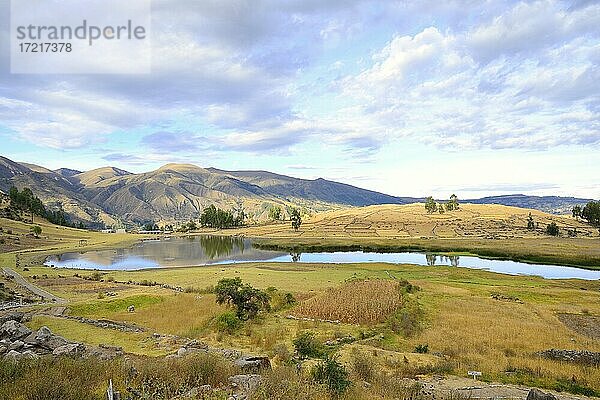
[{"x": 248, "y": 301}]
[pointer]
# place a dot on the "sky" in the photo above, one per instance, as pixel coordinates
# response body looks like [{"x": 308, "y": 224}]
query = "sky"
[{"x": 410, "y": 98}]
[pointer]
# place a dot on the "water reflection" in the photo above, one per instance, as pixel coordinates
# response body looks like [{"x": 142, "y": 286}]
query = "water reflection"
[
  {"x": 432, "y": 260},
  {"x": 221, "y": 246}
]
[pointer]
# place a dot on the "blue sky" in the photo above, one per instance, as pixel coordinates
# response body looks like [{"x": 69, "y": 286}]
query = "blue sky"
[{"x": 405, "y": 97}]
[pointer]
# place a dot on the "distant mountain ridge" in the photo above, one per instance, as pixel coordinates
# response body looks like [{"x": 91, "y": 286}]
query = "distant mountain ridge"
[{"x": 178, "y": 192}]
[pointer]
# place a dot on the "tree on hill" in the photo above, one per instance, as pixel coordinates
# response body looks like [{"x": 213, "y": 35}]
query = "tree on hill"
[
  {"x": 295, "y": 218},
  {"x": 440, "y": 207},
  {"x": 247, "y": 300},
  {"x": 26, "y": 201},
  {"x": 430, "y": 205},
  {"x": 275, "y": 213},
  {"x": 552, "y": 229},
  {"x": 591, "y": 212},
  {"x": 576, "y": 211},
  {"x": 530, "y": 223},
  {"x": 452, "y": 204},
  {"x": 36, "y": 230}
]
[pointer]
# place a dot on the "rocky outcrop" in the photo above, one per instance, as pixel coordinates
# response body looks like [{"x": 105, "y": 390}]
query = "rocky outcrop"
[
  {"x": 536, "y": 394},
  {"x": 583, "y": 357},
  {"x": 252, "y": 364},
  {"x": 18, "y": 342},
  {"x": 244, "y": 385}
]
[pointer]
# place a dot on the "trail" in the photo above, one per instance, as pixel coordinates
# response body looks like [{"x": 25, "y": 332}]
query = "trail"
[{"x": 33, "y": 288}]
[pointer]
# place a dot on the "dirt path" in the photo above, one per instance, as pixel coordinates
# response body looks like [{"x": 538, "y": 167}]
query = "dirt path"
[{"x": 31, "y": 287}]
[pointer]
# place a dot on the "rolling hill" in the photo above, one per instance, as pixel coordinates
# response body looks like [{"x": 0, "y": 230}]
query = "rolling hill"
[{"x": 178, "y": 192}]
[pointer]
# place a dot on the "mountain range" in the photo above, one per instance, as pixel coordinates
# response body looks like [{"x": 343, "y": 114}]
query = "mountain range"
[{"x": 110, "y": 196}]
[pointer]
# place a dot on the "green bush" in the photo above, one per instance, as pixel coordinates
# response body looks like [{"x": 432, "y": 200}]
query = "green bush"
[
  {"x": 228, "y": 322},
  {"x": 422, "y": 348},
  {"x": 407, "y": 320},
  {"x": 333, "y": 375},
  {"x": 552, "y": 229},
  {"x": 307, "y": 345}
]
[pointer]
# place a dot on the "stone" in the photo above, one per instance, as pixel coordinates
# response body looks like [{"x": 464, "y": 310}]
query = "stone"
[
  {"x": 13, "y": 356},
  {"x": 16, "y": 345},
  {"x": 28, "y": 354},
  {"x": 536, "y": 394},
  {"x": 182, "y": 352},
  {"x": 44, "y": 338},
  {"x": 14, "y": 330},
  {"x": 69, "y": 350},
  {"x": 131, "y": 308},
  {"x": 12, "y": 316},
  {"x": 253, "y": 364},
  {"x": 244, "y": 385},
  {"x": 3, "y": 349}
]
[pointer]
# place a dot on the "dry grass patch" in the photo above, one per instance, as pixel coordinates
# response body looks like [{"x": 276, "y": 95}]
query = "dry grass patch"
[{"x": 361, "y": 302}]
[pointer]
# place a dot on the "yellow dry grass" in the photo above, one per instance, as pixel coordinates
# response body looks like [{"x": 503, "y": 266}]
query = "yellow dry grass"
[{"x": 360, "y": 302}]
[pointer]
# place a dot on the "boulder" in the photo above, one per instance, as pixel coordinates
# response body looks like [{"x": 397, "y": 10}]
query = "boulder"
[
  {"x": 244, "y": 385},
  {"x": 16, "y": 345},
  {"x": 12, "y": 316},
  {"x": 182, "y": 352},
  {"x": 253, "y": 364},
  {"x": 536, "y": 394},
  {"x": 69, "y": 350},
  {"x": 3, "y": 349},
  {"x": 28, "y": 354},
  {"x": 44, "y": 338},
  {"x": 14, "y": 330},
  {"x": 13, "y": 356}
]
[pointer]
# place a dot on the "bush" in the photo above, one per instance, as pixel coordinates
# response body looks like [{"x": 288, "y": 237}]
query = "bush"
[
  {"x": 307, "y": 345},
  {"x": 95, "y": 276},
  {"x": 552, "y": 229},
  {"x": 363, "y": 365},
  {"x": 285, "y": 383},
  {"x": 422, "y": 348},
  {"x": 333, "y": 375},
  {"x": 228, "y": 322},
  {"x": 407, "y": 321}
]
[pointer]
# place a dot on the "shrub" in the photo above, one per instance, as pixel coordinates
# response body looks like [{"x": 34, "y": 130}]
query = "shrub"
[
  {"x": 552, "y": 229},
  {"x": 285, "y": 383},
  {"x": 307, "y": 345},
  {"x": 228, "y": 322},
  {"x": 95, "y": 276},
  {"x": 248, "y": 301},
  {"x": 333, "y": 375},
  {"x": 363, "y": 365},
  {"x": 422, "y": 348},
  {"x": 407, "y": 321}
]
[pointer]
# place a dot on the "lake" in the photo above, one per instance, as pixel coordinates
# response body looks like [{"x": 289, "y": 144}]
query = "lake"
[{"x": 206, "y": 250}]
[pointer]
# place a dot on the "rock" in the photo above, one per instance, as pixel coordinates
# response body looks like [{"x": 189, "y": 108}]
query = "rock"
[
  {"x": 131, "y": 308},
  {"x": 536, "y": 394},
  {"x": 13, "y": 356},
  {"x": 44, "y": 338},
  {"x": 16, "y": 345},
  {"x": 69, "y": 350},
  {"x": 12, "y": 316},
  {"x": 253, "y": 364},
  {"x": 244, "y": 385},
  {"x": 14, "y": 330},
  {"x": 3, "y": 349},
  {"x": 28, "y": 354},
  {"x": 182, "y": 352}
]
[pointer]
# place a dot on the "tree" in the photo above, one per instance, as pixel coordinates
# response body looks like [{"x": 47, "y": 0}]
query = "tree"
[
  {"x": 530, "y": 223},
  {"x": 591, "y": 212},
  {"x": 430, "y": 205},
  {"x": 576, "y": 211},
  {"x": 333, "y": 375},
  {"x": 452, "y": 204},
  {"x": 247, "y": 300},
  {"x": 552, "y": 229},
  {"x": 440, "y": 207},
  {"x": 274, "y": 213},
  {"x": 36, "y": 230},
  {"x": 295, "y": 218}
]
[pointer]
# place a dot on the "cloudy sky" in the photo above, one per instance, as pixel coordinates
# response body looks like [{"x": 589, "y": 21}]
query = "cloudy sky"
[{"x": 405, "y": 97}]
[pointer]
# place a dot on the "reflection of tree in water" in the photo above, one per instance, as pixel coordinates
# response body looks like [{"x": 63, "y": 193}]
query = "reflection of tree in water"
[
  {"x": 218, "y": 246},
  {"x": 295, "y": 256},
  {"x": 431, "y": 259},
  {"x": 452, "y": 260}
]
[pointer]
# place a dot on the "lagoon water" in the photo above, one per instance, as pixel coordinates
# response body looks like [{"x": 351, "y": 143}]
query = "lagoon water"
[{"x": 206, "y": 250}]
